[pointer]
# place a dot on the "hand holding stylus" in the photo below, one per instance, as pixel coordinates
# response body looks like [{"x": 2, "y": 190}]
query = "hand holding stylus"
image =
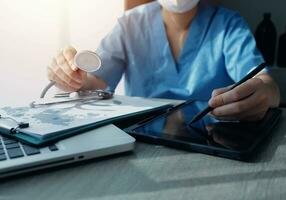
[{"x": 249, "y": 99}]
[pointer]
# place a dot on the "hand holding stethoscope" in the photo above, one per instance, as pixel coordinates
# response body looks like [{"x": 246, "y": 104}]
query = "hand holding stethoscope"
[{"x": 69, "y": 69}]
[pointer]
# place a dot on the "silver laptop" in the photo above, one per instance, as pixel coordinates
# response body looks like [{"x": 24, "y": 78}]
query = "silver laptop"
[{"x": 17, "y": 158}]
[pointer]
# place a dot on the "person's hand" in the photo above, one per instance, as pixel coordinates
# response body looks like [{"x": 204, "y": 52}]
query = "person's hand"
[
  {"x": 65, "y": 74},
  {"x": 248, "y": 102}
]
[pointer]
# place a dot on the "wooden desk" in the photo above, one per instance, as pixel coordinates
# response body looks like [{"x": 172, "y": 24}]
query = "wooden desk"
[{"x": 156, "y": 172}]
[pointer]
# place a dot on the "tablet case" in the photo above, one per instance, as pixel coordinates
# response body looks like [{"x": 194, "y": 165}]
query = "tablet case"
[{"x": 264, "y": 127}]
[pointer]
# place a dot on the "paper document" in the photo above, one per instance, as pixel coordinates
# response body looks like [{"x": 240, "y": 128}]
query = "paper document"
[{"x": 48, "y": 119}]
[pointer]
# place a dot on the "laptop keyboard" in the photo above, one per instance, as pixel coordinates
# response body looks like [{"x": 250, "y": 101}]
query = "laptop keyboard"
[{"x": 13, "y": 149}]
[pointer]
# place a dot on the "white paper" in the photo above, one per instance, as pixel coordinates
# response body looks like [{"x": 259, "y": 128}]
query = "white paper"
[{"x": 45, "y": 120}]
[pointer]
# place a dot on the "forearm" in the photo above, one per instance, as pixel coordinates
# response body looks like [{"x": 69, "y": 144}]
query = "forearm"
[{"x": 274, "y": 91}]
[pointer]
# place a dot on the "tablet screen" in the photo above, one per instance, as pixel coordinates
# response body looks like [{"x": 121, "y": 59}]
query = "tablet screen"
[{"x": 174, "y": 125}]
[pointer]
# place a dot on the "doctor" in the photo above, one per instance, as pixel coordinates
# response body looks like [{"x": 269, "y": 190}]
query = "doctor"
[{"x": 178, "y": 49}]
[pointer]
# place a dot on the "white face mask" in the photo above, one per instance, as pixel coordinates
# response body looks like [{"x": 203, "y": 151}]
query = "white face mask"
[{"x": 178, "y": 6}]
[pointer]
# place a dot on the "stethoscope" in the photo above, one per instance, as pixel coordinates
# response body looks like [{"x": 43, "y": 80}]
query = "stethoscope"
[{"x": 89, "y": 62}]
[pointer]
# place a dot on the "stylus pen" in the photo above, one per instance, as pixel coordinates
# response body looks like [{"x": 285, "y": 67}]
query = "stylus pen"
[{"x": 247, "y": 77}]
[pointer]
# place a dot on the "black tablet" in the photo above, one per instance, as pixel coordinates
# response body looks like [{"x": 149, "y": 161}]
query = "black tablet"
[{"x": 235, "y": 140}]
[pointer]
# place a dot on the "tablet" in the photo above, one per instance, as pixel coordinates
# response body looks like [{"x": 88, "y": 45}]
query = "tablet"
[{"x": 230, "y": 139}]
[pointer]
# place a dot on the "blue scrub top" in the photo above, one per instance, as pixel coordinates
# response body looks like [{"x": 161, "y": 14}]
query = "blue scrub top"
[{"x": 218, "y": 51}]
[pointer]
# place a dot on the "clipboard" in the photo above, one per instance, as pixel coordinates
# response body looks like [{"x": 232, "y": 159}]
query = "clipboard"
[{"x": 21, "y": 123}]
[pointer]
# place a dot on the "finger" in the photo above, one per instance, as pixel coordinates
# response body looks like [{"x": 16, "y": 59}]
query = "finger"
[
  {"x": 252, "y": 116},
  {"x": 252, "y": 106},
  {"x": 51, "y": 74},
  {"x": 236, "y": 94},
  {"x": 63, "y": 64},
  {"x": 255, "y": 113},
  {"x": 236, "y": 108},
  {"x": 82, "y": 74},
  {"x": 69, "y": 54},
  {"x": 259, "y": 110},
  {"x": 62, "y": 76},
  {"x": 255, "y": 116},
  {"x": 59, "y": 83},
  {"x": 226, "y": 118},
  {"x": 58, "y": 72},
  {"x": 220, "y": 90}
]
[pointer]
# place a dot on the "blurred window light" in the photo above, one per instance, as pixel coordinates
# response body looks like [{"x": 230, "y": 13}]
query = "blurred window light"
[{"x": 33, "y": 31}]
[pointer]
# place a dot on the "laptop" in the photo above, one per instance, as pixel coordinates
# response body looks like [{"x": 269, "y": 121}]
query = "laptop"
[{"x": 17, "y": 158}]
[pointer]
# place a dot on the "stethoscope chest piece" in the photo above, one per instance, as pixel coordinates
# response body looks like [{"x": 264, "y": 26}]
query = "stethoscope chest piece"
[{"x": 87, "y": 61}]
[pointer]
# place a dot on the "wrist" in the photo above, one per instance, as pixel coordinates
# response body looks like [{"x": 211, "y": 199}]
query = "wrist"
[{"x": 92, "y": 82}]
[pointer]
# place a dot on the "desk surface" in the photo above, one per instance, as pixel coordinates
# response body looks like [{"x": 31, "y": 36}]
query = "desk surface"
[{"x": 156, "y": 172}]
